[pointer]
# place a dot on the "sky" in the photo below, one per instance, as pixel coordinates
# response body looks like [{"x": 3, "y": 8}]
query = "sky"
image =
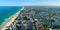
[{"x": 29, "y": 2}]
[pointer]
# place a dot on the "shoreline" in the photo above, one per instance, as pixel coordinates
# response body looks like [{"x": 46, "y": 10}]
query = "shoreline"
[{"x": 10, "y": 20}]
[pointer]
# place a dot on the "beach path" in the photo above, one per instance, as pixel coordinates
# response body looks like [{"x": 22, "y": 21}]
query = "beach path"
[{"x": 10, "y": 21}]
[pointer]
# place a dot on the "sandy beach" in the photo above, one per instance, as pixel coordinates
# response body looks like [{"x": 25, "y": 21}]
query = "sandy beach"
[{"x": 10, "y": 20}]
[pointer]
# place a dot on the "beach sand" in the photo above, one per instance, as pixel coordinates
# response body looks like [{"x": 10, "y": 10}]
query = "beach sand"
[{"x": 10, "y": 20}]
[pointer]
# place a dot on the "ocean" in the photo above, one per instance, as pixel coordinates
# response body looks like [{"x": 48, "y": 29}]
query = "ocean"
[{"x": 7, "y": 11}]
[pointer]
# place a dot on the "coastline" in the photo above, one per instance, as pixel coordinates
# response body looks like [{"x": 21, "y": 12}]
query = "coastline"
[{"x": 10, "y": 19}]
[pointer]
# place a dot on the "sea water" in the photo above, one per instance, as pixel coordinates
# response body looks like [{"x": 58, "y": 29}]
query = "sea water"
[{"x": 7, "y": 11}]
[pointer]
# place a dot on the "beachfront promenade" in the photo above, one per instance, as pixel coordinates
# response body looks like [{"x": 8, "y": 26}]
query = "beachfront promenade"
[{"x": 10, "y": 20}]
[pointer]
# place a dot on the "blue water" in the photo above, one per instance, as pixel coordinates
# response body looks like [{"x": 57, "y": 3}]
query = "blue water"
[{"x": 7, "y": 11}]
